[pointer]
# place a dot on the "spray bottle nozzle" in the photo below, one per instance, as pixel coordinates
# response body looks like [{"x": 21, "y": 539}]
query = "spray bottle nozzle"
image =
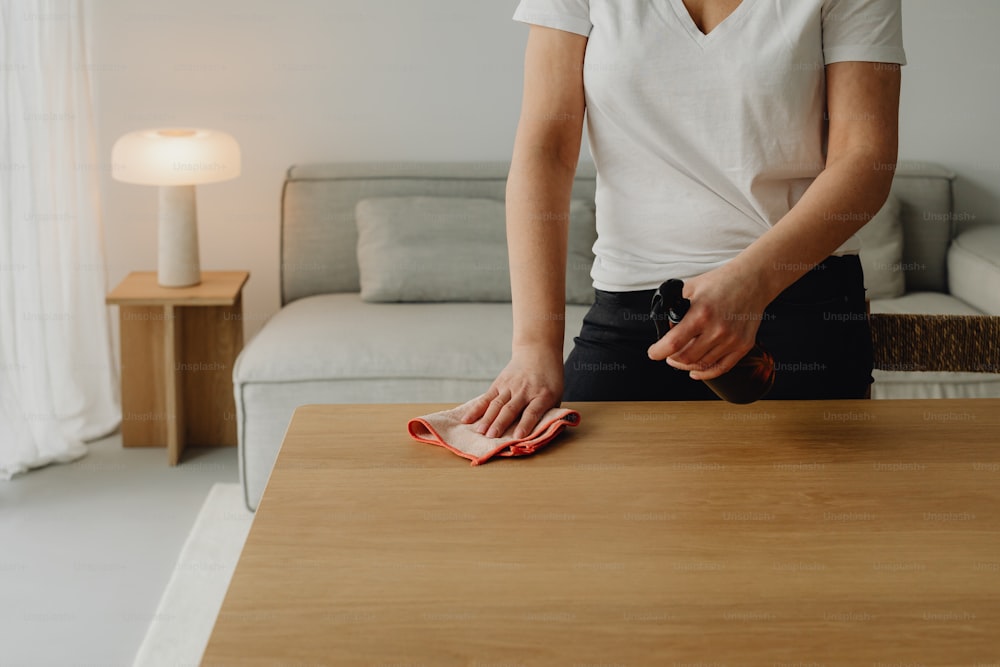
[{"x": 669, "y": 306}]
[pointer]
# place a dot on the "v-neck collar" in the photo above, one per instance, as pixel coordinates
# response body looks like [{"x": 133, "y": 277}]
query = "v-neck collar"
[{"x": 695, "y": 32}]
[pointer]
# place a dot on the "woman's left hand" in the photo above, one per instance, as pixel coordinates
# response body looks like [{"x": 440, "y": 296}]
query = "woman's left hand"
[{"x": 719, "y": 329}]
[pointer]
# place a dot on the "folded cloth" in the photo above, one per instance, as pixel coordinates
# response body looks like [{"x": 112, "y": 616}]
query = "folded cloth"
[{"x": 445, "y": 429}]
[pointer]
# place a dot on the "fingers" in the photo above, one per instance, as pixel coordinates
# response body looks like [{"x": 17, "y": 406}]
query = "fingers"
[
  {"x": 504, "y": 409},
  {"x": 701, "y": 362},
  {"x": 717, "y": 361},
  {"x": 530, "y": 384},
  {"x": 707, "y": 351},
  {"x": 477, "y": 407},
  {"x": 720, "y": 367},
  {"x": 508, "y": 413},
  {"x": 672, "y": 342},
  {"x": 531, "y": 416},
  {"x": 719, "y": 328},
  {"x": 493, "y": 410}
]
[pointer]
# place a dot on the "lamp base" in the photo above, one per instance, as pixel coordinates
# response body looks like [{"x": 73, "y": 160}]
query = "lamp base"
[{"x": 178, "y": 263}]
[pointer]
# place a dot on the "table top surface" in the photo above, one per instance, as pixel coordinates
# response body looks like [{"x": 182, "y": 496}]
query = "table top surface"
[
  {"x": 217, "y": 288},
  {"x": 785, "y": 532}
]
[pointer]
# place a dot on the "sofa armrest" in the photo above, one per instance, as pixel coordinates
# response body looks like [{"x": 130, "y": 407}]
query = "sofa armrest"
[{"x": 974, "y": 268}]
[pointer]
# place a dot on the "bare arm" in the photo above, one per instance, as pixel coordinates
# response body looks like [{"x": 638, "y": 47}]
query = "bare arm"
[
  {"x": 863, "y": 105},
  {"x": 543, "y": 166}
]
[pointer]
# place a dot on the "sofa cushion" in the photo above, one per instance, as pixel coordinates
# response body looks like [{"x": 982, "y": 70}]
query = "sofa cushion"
[
  {"x": 882, "y": 252},
  {"x": 339, "y": 336},
  {"x": 931, "y": 384},
  {"x": 974, "y": 268},
  {"x": 925, "y": 191},
  {"x": 927, "y": 303},
  {"x": 443, "y": 249},
  {"x": 910, "y": 385}
]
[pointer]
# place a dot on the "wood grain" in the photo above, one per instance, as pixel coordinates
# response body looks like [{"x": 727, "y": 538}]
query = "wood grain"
[
  {"x": 179, "y": 346},
  {"x": 144, "y": 413},
  {"x": 213, "y": 338},
  {"x": 172, "y": 390},
  {"x": 217, "y": 288},
  {"x": 835, "y": 533}
]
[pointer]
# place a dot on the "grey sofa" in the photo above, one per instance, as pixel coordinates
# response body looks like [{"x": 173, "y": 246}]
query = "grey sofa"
[{"x": 326, "y": 345}]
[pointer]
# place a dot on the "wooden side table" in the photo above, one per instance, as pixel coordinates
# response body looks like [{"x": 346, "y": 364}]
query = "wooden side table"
[{"x": 178, "y": 347}]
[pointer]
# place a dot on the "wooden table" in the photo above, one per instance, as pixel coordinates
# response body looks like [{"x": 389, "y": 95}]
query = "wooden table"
[
  {"x": 782, "y": 533},
  {"x": 178, "y": 347}
]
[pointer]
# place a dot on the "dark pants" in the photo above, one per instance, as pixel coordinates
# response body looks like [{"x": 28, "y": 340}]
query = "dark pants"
[{"x": 816, "y": 330}]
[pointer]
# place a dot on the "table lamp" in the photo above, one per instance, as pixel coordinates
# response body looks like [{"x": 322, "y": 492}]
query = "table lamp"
[{"x": 176, "y": 159}]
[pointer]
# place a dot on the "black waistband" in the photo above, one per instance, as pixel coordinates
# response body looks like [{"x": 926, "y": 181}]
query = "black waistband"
[{"x": 833, "y": 277}]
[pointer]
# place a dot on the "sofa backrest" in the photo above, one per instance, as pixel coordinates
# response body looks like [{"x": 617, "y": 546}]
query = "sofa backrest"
[
  {"x": 319, "y": 234},
  {"x": 318, "y": 231},
  {"x": 925, "y": 191}
]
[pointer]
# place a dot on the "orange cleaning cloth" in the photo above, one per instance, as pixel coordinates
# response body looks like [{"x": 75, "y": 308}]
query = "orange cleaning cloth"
[{"x": 445, "y": 429}]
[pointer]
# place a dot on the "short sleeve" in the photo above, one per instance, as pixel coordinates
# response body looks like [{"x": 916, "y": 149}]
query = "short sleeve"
[
  {"x": 863, "y": 30},
  {"x": 569, "y": 15}
]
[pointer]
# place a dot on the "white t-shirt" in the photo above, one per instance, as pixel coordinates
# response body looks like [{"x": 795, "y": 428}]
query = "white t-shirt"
[{"x": 702, "y": 142}]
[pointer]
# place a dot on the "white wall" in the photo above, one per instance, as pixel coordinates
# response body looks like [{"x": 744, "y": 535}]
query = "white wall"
[
  {"x": 332, "y": 80},
  {"x": 950, "y": 109},
  {"x": 296, "y": 81}
]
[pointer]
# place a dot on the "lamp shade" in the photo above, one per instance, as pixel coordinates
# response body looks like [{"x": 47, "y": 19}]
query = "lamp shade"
[{"x": 175, "y": 156}]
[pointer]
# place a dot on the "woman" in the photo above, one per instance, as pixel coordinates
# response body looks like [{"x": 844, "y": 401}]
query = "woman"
[{"x": 739, "y": 146}]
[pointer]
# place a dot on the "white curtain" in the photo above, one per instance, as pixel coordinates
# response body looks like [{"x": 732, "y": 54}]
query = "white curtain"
[{"x": 58, "y": 384}]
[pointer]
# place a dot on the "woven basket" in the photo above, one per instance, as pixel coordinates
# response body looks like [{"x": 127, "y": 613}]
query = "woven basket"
[{"x": 967, "y": 343}]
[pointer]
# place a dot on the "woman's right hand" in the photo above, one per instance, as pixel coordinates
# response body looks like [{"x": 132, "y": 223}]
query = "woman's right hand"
[
  {"x": 539, "y": 186},
  {"x": 529, "y": 386}
]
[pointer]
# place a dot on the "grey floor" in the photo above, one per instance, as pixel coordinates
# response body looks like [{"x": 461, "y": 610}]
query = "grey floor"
[{"x": 87, "y": 548}]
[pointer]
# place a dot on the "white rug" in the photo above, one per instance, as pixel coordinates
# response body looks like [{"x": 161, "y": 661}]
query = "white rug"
[{"x": 186, "y": 615}]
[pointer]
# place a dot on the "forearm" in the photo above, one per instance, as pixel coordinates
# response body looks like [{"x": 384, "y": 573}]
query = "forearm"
[
  {"x": 842, "y": 199},
  {"x": 538, "y": 196},
  {"x": 543, "y": 166},
  {"x": 863, "y": 143}
]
